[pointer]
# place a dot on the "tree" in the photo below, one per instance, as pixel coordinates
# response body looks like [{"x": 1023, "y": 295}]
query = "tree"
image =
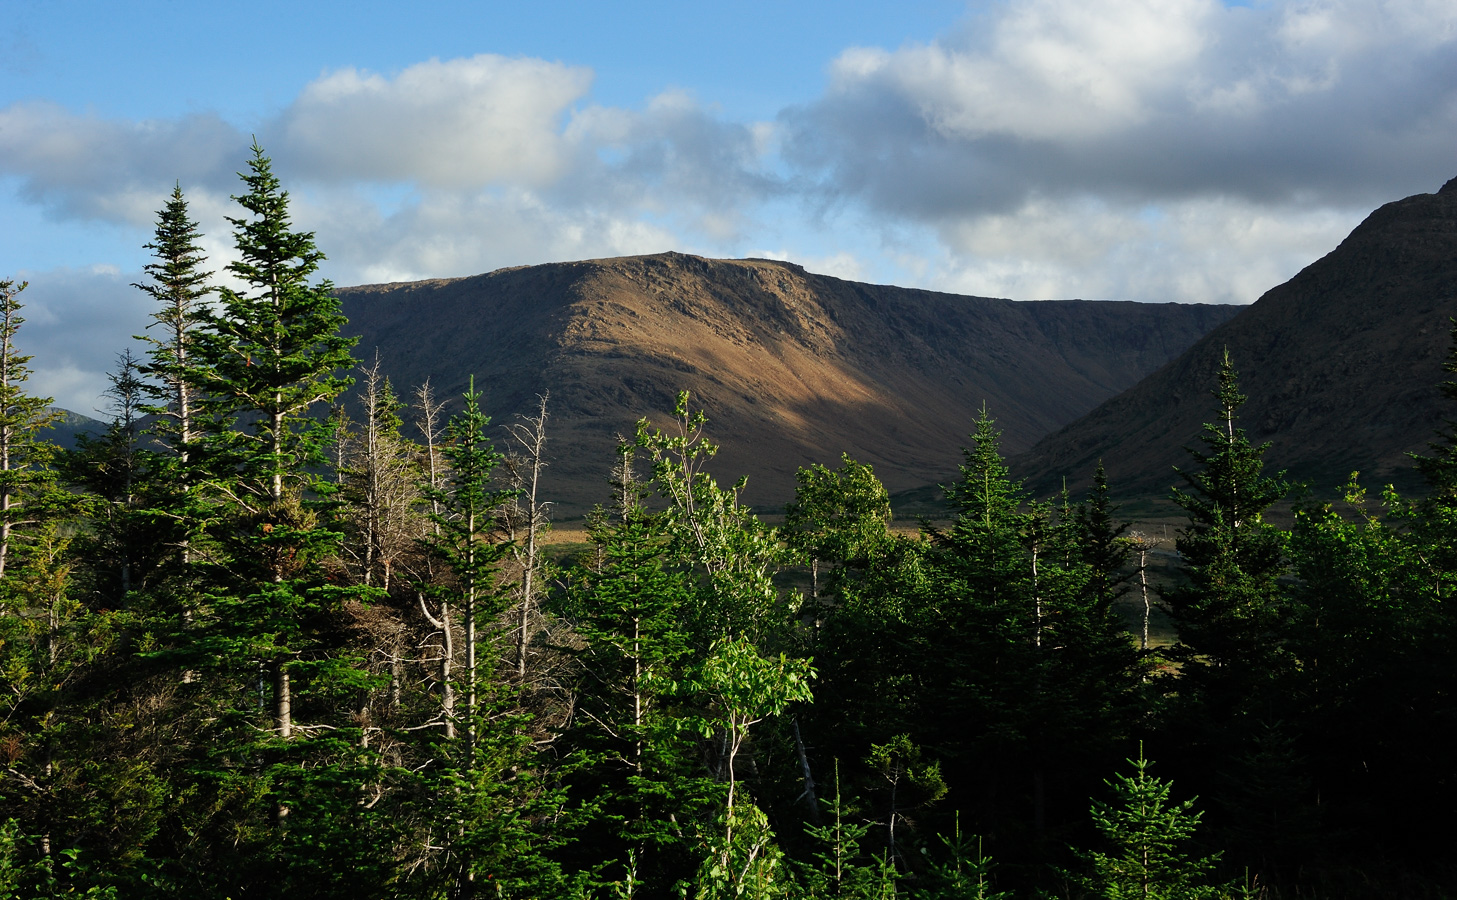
[
  {"x": 274, "y": 350},
  {"x": 838, "y": 517},
  {"x": 1147, "y": 836},
  {"x": 179, "y": 285},
  {"x": 1230, "y": 612},
  {"x": 466, "y": 507},
  {"x": 381, "y": 483},
  {"x": 1104, "y": 549},
  {"x": 526, "y": 524},
  {"x": 24, "y": 456},
  {"x": 712, "y": 532},
  {"x": 910, "y": 783},
  {"x": 744, "y": 688},
  {"x": 270, "y": 353}
]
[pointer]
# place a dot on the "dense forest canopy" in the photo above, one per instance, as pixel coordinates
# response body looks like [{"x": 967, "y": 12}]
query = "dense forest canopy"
[{"x": 258, "y": 642}]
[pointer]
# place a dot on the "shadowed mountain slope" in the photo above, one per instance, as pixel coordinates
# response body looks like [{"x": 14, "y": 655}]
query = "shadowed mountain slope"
[
  {"x": 792, "y": 368},
  {"x": 1341, "y": 366}
]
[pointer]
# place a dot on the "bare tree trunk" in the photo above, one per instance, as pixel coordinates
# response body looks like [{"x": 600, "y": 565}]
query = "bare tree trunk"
[
  {"x": 283, "y": 700},
  {"x": 531, "y": 436},
  {"x": 429, "y": 425},
  {"x": 1142, "y": 544},
  {"x": 809, "y": 781}
]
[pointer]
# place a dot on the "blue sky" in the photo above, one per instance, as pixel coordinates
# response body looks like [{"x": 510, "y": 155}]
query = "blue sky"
[{"x": 1153, "y": 150}]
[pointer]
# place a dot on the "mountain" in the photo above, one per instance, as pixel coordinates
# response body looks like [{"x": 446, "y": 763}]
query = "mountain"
[
  {"x": 1341, "y": 366},
  {"x": 792, "y": 368},
  {"x": 63, "y": 431}
]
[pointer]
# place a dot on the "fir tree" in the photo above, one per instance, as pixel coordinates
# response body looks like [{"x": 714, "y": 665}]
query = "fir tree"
[
  {"x": 1147, "y": 835},
  {"x": 179, "y": 286},
  {"x": 1230, "y": 612},
  {"x": 25, "y": 473}
]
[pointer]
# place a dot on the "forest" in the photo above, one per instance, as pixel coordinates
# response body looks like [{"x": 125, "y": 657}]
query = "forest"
[{"x": 288, "y": 629}]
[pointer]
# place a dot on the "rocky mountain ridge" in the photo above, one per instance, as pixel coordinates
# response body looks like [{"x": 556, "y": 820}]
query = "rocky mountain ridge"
[
  {"x": 1341, "y": 366},
  {"x": 791, "y": 367}
]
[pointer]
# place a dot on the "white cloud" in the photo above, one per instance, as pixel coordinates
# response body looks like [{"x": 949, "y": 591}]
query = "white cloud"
[
  {"x": 1352, "y": 100},
  {"x": 1141, "y": 149},
  {"x": 1213, "y": 250},
  {"x": 443, "y": 235},
  {"x": 76, "y": 322},
  {"x": 461, "y": 123},
  {"x": 87, "y": 167}
]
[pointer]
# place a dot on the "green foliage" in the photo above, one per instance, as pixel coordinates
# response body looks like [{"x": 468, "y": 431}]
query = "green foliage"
[
  {"x": 1147, "y": 835},
  {"x": 1102, "y": 545},
  {"x": 964, "y": 873},
  {"x": 839, "y": 518},
  {"x": 909, "y": 783},
  {"x": 179, "y": 286},
  {"x": 712, "y": 533},
  {"x": 840, "y": 867},
  {"x": 1230, "y": 612},
  {"x": 272, "y": 351}
]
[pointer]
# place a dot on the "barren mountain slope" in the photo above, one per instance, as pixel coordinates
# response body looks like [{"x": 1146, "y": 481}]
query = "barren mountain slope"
[
  {"x": 792, "y": 368},
  {"x": 1340, "y": 364}
]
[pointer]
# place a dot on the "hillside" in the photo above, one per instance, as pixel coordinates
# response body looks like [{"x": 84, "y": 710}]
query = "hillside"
[
  {"x": 792, "y": 368},
  {"x": 1340, "y": 364}
]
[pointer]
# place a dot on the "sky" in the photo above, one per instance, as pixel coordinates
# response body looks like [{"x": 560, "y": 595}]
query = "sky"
[{"x": 1150, "y": 150}]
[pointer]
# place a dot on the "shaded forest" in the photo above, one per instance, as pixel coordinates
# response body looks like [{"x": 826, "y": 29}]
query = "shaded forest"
[{"x": 257, "y": 641}]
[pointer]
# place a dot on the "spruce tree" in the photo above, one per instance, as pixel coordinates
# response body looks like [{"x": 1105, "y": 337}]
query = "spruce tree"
[
  {"x": 1230, "y": 611},
  {"x": 467, "y": 506},
  {"x": 1148, "y": 835},
  {"x": 179, "y": 285},
  {"x": 25, "y": 473},
  {"x": 271, "y": 352}
]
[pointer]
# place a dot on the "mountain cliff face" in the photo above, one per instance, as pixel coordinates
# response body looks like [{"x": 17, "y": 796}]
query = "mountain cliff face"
[
  {"x": 791, "y": 368},
  {"x": 1341, "y": 366}
]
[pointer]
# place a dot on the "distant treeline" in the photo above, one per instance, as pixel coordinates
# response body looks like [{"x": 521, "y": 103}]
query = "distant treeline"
[{"x": 254, "y": 645}]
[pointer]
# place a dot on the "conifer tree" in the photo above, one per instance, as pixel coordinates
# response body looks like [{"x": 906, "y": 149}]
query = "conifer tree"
[
  {"x": 1230, "y": 612},
  {"x": 179, "y": 286},
  {"x": 467, "y": 506},
  {"x": 1148, "y": 834},
  {"x": 271, "y": 352},
  {"x": 1103, "y": 547},
  {"x": 24, "y": 455},
  {"x": 274, "y": 350}
]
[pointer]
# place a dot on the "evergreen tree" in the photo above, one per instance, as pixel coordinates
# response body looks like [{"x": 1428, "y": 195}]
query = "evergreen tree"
[
  {"x": 273, "y": 351},
  {"x": 270, "y": 353},
  {"x": 484, "y": 788},
  {"x": 629, "y": 609},
  {"x": 1148, "y": 835},
  {"x": 467, "y": 507},
  {"x": 1103, "y": 547},
  {"x": 1231, "y": 613},
  {"x": 179, "y": 286},
  {"x": 25, "y": 473}
]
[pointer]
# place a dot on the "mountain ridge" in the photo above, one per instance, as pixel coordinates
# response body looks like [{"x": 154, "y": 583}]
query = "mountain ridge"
[
  {"x": 1341, "y": 365},
  {"x": 791, "y": 367}
]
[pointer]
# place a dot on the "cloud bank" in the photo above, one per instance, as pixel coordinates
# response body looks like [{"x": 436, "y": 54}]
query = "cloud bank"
[{"x": 1143, "y": 149}]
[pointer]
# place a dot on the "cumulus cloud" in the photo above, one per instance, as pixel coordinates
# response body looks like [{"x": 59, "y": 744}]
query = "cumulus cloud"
[
  {"x": 1134, "y": 149},
  {"x": 1344, "y": 100},
  {"x": 457, "y": 124},
  {"x": 448, "y": 234},
  {"x": 87, "y": 167},
  {"x": 76, "y": 322}
]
